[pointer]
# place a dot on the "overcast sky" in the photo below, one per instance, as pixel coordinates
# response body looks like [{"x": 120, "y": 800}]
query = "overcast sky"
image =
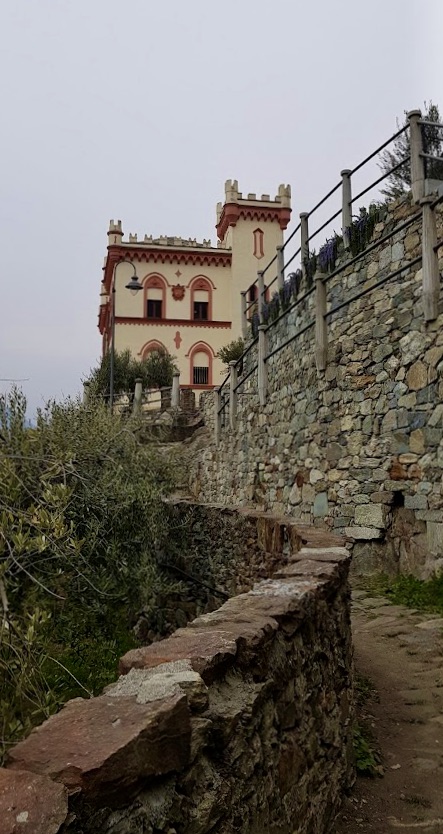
[{"x": 141, "y": 109}]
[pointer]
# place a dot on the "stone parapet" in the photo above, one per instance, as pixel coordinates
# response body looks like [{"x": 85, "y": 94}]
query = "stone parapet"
[{"x": 241, "y": 721}]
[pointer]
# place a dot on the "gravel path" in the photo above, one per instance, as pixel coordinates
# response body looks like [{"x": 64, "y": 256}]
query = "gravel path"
[{"x": 401, "y": 652}]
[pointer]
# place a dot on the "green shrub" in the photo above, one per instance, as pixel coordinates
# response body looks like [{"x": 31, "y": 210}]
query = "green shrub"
[{"x": 81, "y": 521}]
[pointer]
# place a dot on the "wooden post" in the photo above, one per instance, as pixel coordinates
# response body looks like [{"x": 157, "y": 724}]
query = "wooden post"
[
  {"x": 261, "y": 290},
  {"x": 280, "y": 267},
  {"x": 244, "y": 316},
  {"x": 217, "y": 415},
  {"x": 262, "y": 367},
  {"x": 430, "y": 271},
  {"x": 304, "y": 235},
  {"x": 138, "y": 391},
  {"x": 232, "y": 394},
  {"x": 346, "y": 211},
  {"x": 417, "y": 162},
  {"x": 321, "y": 330},
  {"x": 175, "y": 396}
]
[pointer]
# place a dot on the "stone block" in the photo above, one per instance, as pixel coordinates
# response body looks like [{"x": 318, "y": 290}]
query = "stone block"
[
  {"x": 31, "y": 803},
  {"x": 417, "y": 376},
  {"x": 98, "y": 744},
  {"x": 416, "y": 502},
  {"x": 370, "y": 515},
  {"x": 434, "y": 532},
  {"x": 320, "y": 505},
  {"x": 364, "y": 533}
]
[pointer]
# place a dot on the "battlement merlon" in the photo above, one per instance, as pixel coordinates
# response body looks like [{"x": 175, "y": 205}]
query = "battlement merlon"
[
  {"x": 233, "y": 195},
  {"x": 115, "y": 237},
  {"x": 251, "y": 206}
]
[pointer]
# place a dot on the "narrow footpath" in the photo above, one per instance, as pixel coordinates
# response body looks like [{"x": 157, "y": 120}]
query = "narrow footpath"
[{"x": 400, "y": 651}]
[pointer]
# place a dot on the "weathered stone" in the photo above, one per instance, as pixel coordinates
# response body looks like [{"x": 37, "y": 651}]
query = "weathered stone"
[
  {"x": 31, "y": 803},
  {"x": 435, "y": 536},
  {"x": 416, "y": 502},
  {"x": 412, "y": 345},
  {"x": 417, "y": 441},
  {"x": 417, "y": 376},
  {"x": 370, "y": 515},
  {"x": 130, "y": 741},
  {"x": 357, "y": 532},
  {"x": 173, "y": 678},
  {"x": 321, "y": 505}
]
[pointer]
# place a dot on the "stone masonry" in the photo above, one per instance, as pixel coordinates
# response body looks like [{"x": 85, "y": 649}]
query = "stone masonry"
[
  {"x": 357, "y": 447},
  {"x": 242, "y": 721}
]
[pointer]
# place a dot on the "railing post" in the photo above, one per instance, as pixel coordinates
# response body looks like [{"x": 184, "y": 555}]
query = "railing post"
[
  {"x": 138, "y": 391},
  {"x": 244, "y": 316},
  {"x": 346, "y": 210},
  {"x": 430, "y": 271},
  {"x": 262, "y": 367},
  {"x": 417, "y": 161},
  {"x": 321, "y": 330},
  {"x": 261, "y": 289},
  {"x": 280, "y": 267},
  {"x": 175, "y": 397},
  {"x": 86, "y": 391},
  {"x": 232, "y": 393},
  {"x": 304, "y": 238},
  {"x": 217, "y": 415}
]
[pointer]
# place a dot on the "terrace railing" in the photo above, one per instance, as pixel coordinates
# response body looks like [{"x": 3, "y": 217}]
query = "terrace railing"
[{"x": 307, "y": 281}]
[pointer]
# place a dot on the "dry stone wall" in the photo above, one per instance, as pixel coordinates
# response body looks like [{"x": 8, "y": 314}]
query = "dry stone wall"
[
  {"x": 359, "y": 446},
  {"x": 242, "y": 721}
]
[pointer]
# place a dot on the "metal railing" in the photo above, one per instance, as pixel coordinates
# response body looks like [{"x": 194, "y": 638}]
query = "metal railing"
[{"x": 306, "y": 286}]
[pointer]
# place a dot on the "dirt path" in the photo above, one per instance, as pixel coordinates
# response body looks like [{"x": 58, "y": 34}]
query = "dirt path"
[{"x": 401, "y": 652}]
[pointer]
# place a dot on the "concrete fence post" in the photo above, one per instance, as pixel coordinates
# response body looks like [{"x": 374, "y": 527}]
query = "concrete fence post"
[
  {"x": 217, "y": 415},
  {"x": 261, "y": 290},
  {"x": 417, "y": 162},
  {"x": 321, "y": 330},
  {"x": 346, "y": 210},
  {"x": 86, "y": 391},
  {"x": 244, "y": 316},
  {"x": 430, "y": 271},
  {"x": 138, "y": 391},
  {"x": 262, "y": 367},
  {"x": 304, "y": 238},
  {"x": 280, "y": 267},
  {"x": 233, "y": 378},
  {"x": 175, "y": 395}
]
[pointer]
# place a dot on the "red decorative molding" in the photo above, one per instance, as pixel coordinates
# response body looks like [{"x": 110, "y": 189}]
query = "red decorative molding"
[
  {"x": 153, "y": 344},
  {"x": 232, "y": 212},
  {"x": 177, "y": 340},
  {"x": 158, "y": 282},
  {"x": 258, "y": 243},
  {"x": 178, "y": 292},
  {"x": 201, "y": 283},
  {"x": 171, "y": 322},
  {"x": 201, "y": 347},
  {"x": 164, "y": 256}
]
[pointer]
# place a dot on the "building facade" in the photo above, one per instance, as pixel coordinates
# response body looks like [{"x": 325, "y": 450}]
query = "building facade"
[{"x": 191, "y": 304}]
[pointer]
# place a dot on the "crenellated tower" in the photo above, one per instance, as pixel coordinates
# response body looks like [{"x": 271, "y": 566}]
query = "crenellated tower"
[{"x": 251, "y": 227}]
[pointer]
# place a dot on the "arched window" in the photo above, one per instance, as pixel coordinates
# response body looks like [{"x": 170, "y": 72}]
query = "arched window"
[
  {"x": 201, "y": 364},
  {"x": 151, "y": 346},
  {"x": 155, "y": 297},
  {"x": 201, "y": 299}
]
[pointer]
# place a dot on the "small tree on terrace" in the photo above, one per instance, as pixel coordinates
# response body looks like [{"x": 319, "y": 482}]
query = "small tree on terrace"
[
  {"x": 155, "y": 371},
  {"x": 400, "y": 181}
]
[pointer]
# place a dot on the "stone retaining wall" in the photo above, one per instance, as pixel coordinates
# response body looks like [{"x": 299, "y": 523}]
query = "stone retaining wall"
[
  {"x": 359, "y": 446},
  {"x": 240, "y": 722}
]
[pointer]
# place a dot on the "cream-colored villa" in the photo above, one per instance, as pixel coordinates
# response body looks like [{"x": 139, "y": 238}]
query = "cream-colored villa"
[{"x": 191, "y": 302}]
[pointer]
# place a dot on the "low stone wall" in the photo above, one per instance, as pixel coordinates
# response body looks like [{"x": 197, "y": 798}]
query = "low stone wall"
[
  {"x": 357, "y": 447},
  {"x": 242, "y": 721}
]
